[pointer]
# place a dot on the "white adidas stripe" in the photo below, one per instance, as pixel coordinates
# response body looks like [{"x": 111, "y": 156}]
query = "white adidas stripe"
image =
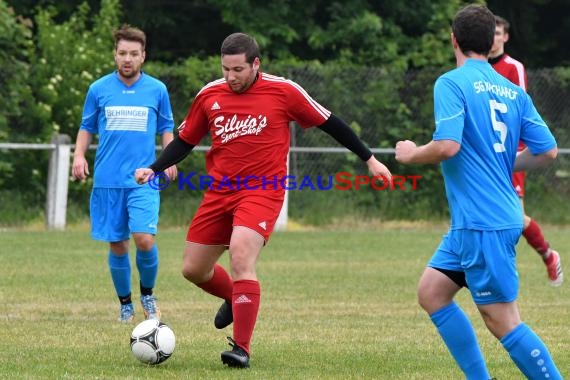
[{"x": 319, "y": 108}]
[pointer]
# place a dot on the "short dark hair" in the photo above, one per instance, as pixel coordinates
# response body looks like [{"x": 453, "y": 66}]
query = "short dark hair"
[
  {"x": 129, "y": 33},
  {"x": 474, "y": 29},
  {"x": 499, "y": 21},
  {"x": 240, "y": 43}
]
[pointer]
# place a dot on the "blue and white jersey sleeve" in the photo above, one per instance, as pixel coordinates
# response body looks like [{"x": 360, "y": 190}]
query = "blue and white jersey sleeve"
[
  {"x": 90, "y": 116},
  {"x": 449, "y": 111},
  {"x": 164, "y": 113},
  {"x": 534, "y": 131}
]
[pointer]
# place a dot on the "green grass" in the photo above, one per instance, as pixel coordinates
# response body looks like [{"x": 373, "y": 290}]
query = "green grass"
[{"x": 335, "y": 305}]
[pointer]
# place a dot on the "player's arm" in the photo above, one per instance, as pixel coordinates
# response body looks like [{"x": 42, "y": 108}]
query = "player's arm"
[
  {"x": 172, "y": 154},
  {"x": 80, "y": 168},
  {"x": 166, "y": 139},
  {"x": 342, "y": 133},
  {"x": 431, "y": 153},
  {"x": 527, "y": 161}
]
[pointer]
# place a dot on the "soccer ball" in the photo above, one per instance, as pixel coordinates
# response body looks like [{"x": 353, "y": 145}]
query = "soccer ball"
[{"x": 152, "y": 341}]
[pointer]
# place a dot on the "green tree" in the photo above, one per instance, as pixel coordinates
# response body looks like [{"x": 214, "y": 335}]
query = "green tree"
[
  {"x": 16, "y": 97},
  {"x": 179, "y": 29},
  {"x": 400, "y": 34},
  {"x": 69, "y": 57},
  {"x": 279, "y": 26},
  {"x": 18, "y": 109}
]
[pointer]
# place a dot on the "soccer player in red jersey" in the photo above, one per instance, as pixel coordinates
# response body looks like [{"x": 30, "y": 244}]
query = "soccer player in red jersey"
[
  {"x": 247, "y": 114},
  {"x": 514, "y": 71}
]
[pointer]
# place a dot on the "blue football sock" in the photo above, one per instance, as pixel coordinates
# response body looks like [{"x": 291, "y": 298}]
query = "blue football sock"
[
  {"x": 530, "y": 354},
  {"x": 147, "y": 264},
  {"x": 459, "y": 337},
  {"x": 120, "y": 267}
]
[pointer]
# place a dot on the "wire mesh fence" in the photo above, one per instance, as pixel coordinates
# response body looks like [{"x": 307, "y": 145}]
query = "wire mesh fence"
[{"x": 410, "y": 103}]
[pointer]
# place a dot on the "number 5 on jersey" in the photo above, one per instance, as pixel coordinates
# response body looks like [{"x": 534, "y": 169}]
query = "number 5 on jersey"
[{"x": 498, "y": 126}]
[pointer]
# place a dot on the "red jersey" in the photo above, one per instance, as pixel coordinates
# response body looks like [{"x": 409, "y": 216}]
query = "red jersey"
[
  {"x": 511, "y": 69},
  {"x": 250, "y": 130},
  {"x": 514, "y": 71}
]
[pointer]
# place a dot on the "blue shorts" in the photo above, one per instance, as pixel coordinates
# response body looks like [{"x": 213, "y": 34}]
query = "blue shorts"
[
  {"x": 118, "y": 212},
  {"x": 488, "y": 260}
]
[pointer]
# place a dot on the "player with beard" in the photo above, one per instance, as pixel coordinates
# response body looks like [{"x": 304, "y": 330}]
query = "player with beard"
[
  {"x": 247, "y": 114},
  {"x": 127, "y": 109}
]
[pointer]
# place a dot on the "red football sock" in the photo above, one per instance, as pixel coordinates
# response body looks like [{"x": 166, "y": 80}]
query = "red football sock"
[
  {"x": 245, "y": 305},
  {"x": 220, "y": 285},
  {"x": 534, "y": 238}
]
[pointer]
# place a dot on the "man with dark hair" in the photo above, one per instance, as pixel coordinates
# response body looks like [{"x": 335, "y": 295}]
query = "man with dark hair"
[
  {"x": 479, "y": 119},
  {"x": 514, "y": 71},
  {"x": 247, "y": 114},
  {"x": 127, "y": 109}
]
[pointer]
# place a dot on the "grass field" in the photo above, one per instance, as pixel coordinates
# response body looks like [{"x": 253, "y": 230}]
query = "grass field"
[{"x": 335, "y": 305}]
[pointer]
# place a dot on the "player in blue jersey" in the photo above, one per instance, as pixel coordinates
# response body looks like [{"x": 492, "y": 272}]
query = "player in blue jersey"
[
  {"x": 480, "y": 117},
  {"x": 127, "y": 109}
]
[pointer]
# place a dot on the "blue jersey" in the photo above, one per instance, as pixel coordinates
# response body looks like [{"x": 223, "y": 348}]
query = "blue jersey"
[
  {"x": 127, "y": 120},
  {"x": 487, "y": 114}
]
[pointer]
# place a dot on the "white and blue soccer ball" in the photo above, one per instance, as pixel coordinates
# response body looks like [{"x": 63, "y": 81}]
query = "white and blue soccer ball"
[{"x": 152, "y": 341}]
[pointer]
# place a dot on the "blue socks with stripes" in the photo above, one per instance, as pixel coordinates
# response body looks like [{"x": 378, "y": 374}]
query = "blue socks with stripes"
[
  {"x": 530, "y": 354},
  {"x": 525, "y": 348}
]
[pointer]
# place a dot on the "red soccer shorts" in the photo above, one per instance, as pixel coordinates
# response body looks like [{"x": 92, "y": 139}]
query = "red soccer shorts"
[
  {"x": 219, "y": 212},
  {"x": 518, "y": 182}
]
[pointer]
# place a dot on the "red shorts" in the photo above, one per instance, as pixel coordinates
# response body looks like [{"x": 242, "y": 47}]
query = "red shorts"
[
  {"x": 518, "y": 182},
  {"x": 220, "y": 212}
]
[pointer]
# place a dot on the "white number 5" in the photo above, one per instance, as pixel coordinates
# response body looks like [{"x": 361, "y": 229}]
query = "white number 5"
[{"x": 499, "y": 126}]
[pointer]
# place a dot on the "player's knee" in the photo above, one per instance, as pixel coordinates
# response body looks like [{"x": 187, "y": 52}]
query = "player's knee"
[
  {"x": 119, "y": 247},
  {"x": 144, "y": 242},
  {"x": 193, "y": 275},
  {"x": 242, "y": 267},
  {"x": 423, "y": 301},
  {"x": 500, "y": 323},
  {"x": 188, "y": 273},
  {"x": 431, "y": 300}
]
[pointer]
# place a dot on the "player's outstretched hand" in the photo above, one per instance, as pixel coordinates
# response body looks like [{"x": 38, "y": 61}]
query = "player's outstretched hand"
[
  {"x": 379, "y": 169},
  {"x": 142, "y": 175},
  {"x": 404, "y": 151}
]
